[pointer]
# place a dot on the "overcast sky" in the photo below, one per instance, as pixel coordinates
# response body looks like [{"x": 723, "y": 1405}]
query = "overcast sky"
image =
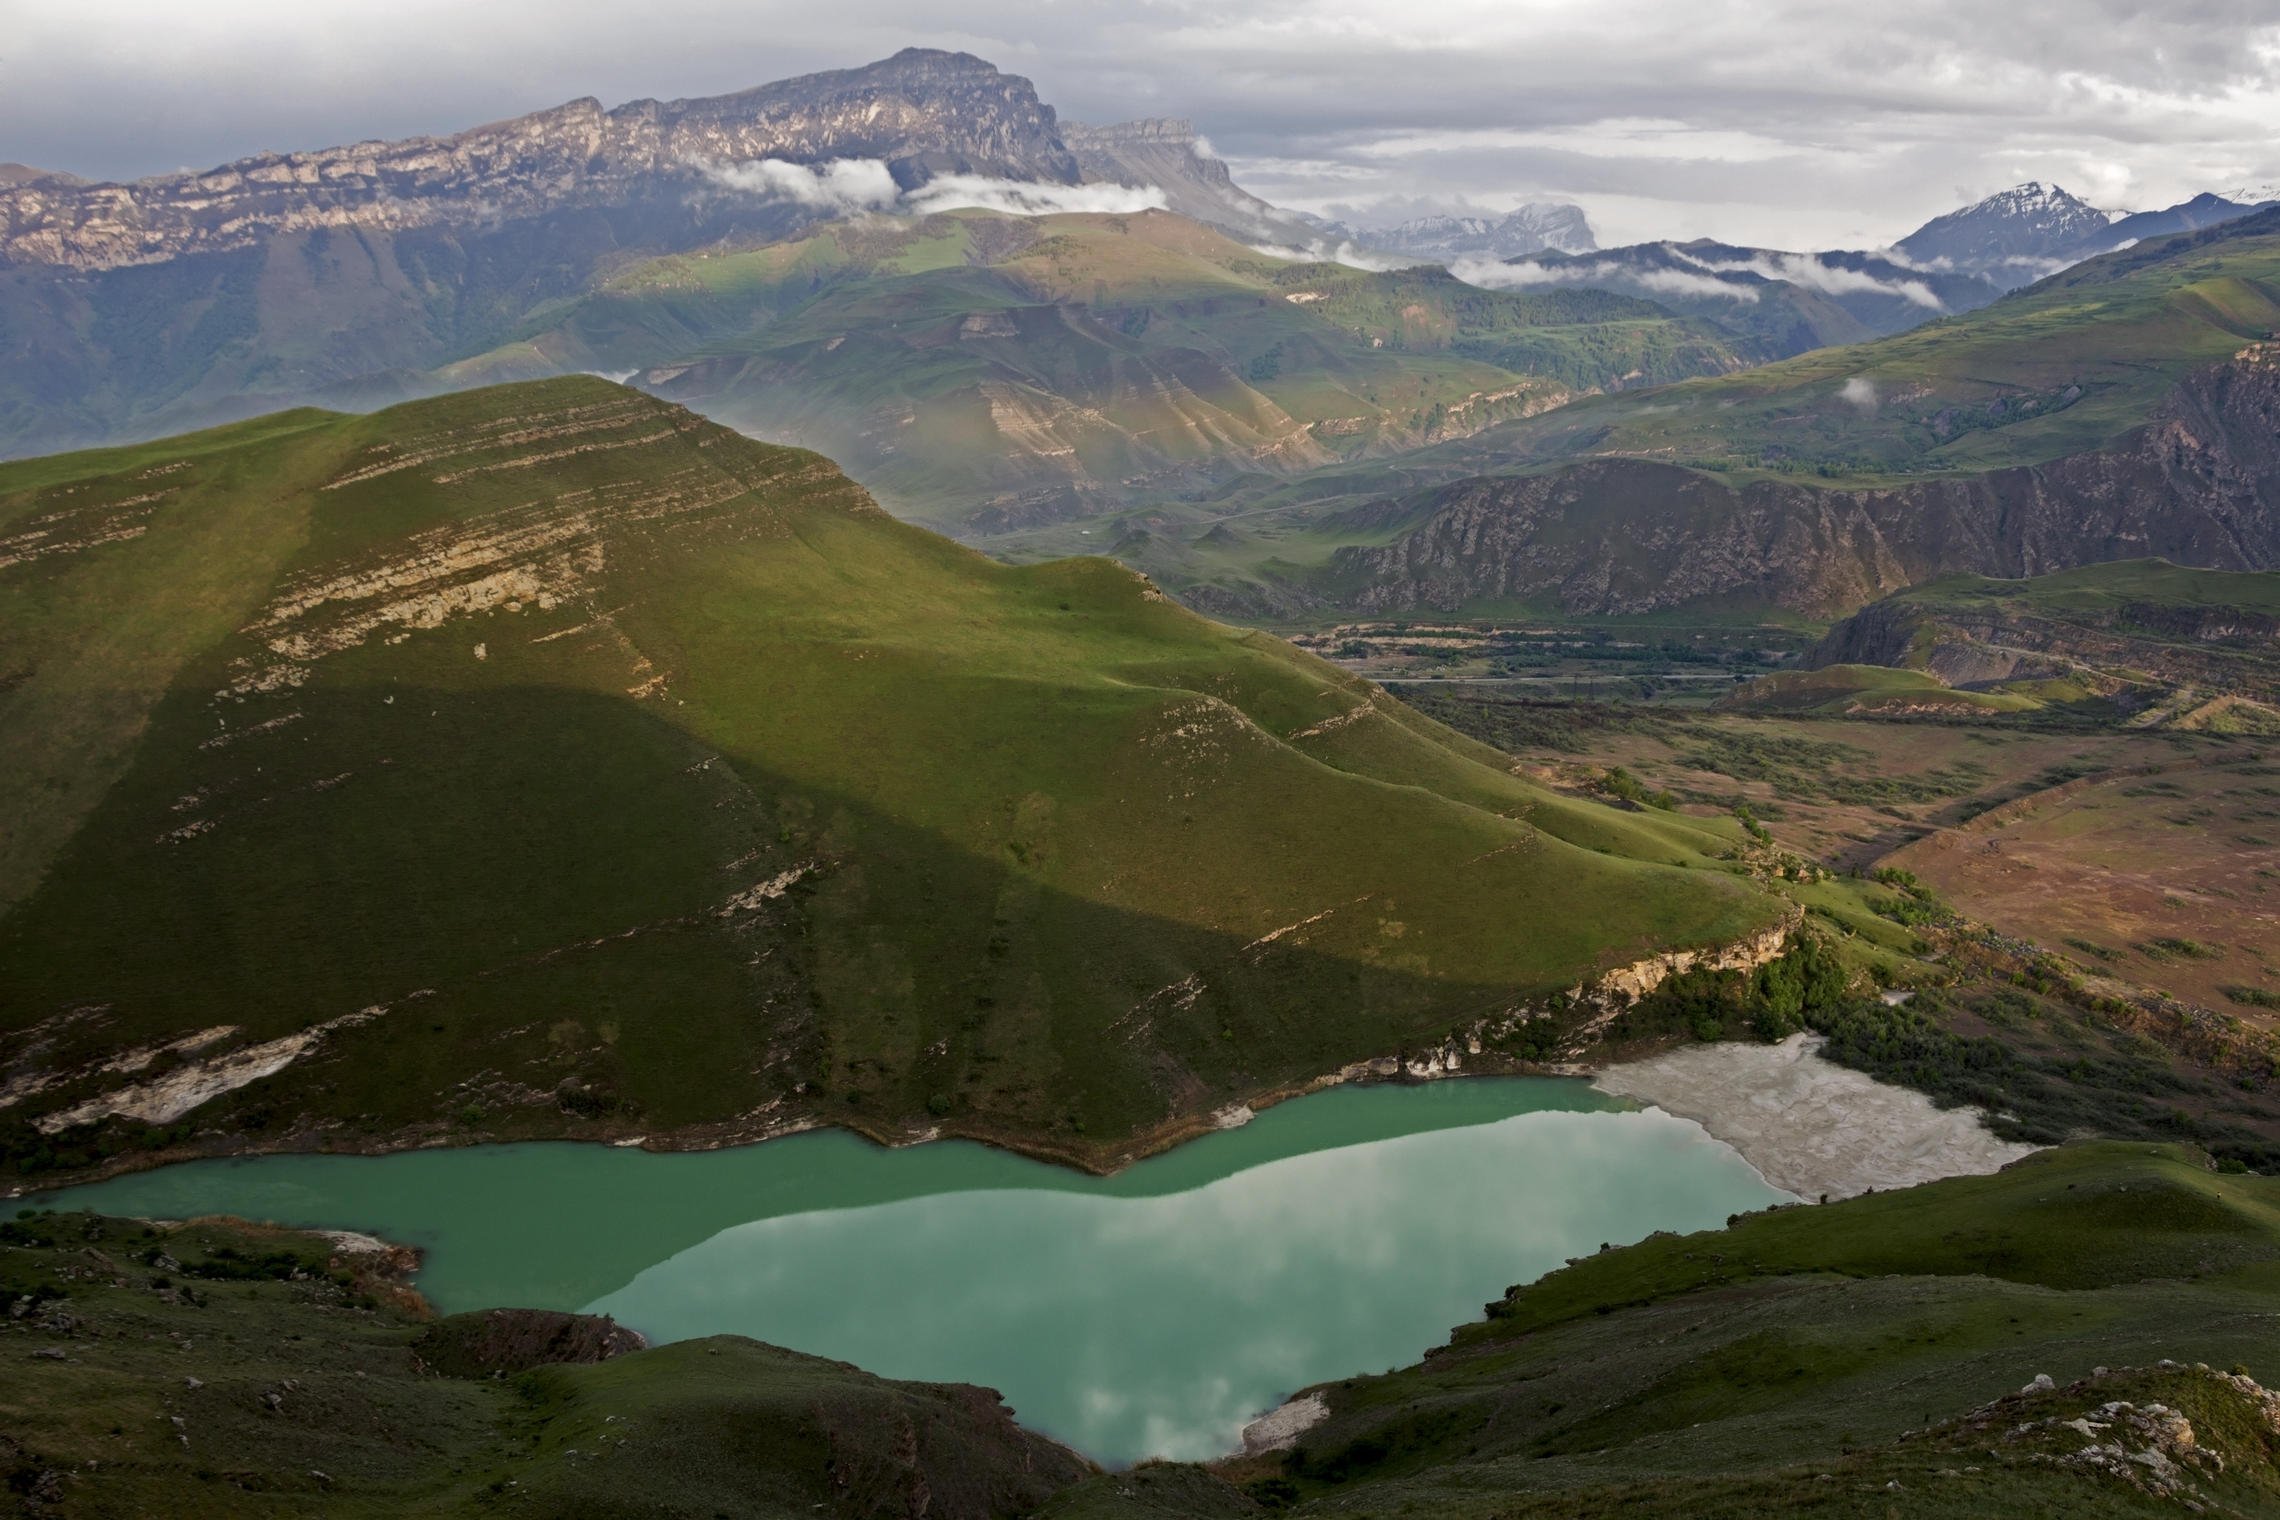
[{"x": 1796, "y": 123}]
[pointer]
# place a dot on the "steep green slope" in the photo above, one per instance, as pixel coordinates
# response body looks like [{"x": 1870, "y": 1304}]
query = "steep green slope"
[
  {"x": 548, "y": 760},
  {"x": 972, "y": 367}
]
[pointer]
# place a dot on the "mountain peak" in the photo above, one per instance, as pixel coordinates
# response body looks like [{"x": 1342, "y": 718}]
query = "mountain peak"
[
  {"x": 25, "y": 174},
  {"x": 2012, "y": 237}
]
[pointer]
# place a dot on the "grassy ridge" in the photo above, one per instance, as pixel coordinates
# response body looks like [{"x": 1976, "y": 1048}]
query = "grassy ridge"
[{"x": 612, "y": 773}]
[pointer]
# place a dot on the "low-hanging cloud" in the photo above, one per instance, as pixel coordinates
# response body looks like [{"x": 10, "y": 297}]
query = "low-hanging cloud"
[
  {"x": 1859, "y": 391},
  {"x": 851, "y": 186},
  {"x": 1323, "y": 251},
  {"x": 1816, "y": 274},
  {"x": 1490, "y": 274},
  {"x": 1030, "y": 197},
  {"x": 844, "y": 184}
]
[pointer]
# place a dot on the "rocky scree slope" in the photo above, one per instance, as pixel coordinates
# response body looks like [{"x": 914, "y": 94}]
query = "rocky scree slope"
[{"x": 547, "y": 760}]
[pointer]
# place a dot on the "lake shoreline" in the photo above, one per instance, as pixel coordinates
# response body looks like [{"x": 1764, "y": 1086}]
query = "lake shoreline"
[
  {"x": 1431, "y": 1064},
  {"x": 1692, "y": 1081},
  {"x": 1736, "y": 1090},
  {"x": 1812, "y": 1128}
]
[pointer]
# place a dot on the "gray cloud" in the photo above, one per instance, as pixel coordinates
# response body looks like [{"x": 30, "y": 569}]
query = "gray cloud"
[{"x": 1786, "y": 123}]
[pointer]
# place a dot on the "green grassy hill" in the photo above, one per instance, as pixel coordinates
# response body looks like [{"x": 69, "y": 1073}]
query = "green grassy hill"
[
  {"x": 546, "y": 759},
  {"x": 977, "y": 368}
]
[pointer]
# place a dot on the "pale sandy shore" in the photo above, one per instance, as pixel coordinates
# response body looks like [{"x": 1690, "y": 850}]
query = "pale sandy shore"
[{"x": 1810, "y": 1126}]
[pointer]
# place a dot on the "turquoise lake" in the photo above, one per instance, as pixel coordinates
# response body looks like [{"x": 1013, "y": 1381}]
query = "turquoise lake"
[{"x": 1148, "y": 1314}]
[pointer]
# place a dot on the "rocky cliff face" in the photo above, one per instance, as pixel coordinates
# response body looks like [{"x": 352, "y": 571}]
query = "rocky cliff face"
[
  {"x": 341, "y": 277},
  {"x": 1173, "y": 157},
  {"x": 923, "y": 112},
  {"x": 2199, "y": 485}
]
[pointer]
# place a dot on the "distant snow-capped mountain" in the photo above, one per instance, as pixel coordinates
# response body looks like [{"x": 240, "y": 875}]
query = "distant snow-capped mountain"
[
  {"x": 2025, "y": 233},
  {"x": 2013, "y": 237}
]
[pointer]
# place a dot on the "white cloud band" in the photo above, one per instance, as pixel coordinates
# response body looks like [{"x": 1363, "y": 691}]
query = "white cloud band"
[{"x": 853, "y": 185}]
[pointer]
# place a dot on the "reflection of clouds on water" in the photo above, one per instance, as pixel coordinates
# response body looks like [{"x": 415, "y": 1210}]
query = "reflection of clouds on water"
[{"x": 1136, "y": 1326}]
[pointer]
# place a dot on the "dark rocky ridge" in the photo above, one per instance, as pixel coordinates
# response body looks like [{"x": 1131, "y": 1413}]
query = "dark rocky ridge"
[
  {"x": 924, "y": 112},
  {"x": 2199, "y": 485}
]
